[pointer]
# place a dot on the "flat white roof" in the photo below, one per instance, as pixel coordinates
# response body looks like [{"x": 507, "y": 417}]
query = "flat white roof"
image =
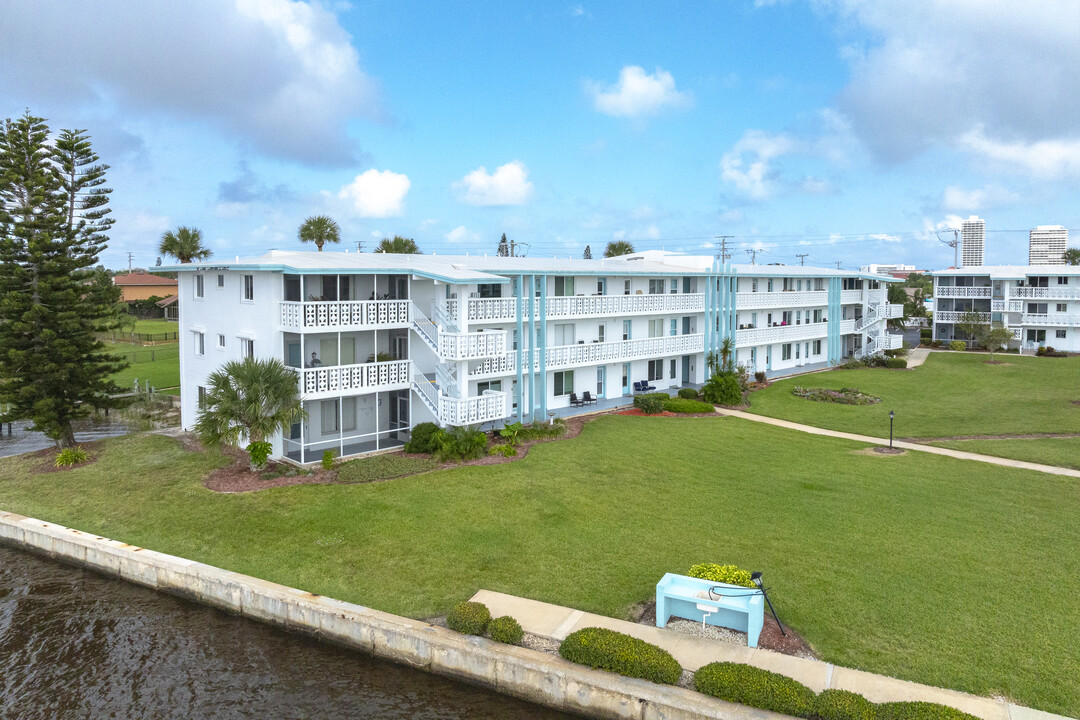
[{"x": 1008, "y": 272}]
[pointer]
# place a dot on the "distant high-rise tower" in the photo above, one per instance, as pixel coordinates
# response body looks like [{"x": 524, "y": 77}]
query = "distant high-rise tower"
[
  {"x": 972, "y": 241},
  {"x": 1046, "y": 245}
]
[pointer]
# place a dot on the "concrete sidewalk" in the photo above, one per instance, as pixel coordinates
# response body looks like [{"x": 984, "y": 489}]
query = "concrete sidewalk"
[
  {"x": 556, "y": 622},
  {"x": 917, "y": 357},
  {"x": 958, "y": 454}
]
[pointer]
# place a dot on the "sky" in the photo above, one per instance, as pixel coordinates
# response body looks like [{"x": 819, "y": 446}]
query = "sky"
[{"x": 851, "y": 131}]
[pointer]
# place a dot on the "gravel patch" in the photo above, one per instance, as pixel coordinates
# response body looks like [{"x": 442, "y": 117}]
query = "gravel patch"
[{"x": 709, "y": 632}]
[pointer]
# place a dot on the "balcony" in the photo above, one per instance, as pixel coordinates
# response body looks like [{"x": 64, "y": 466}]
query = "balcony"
[
  {"x": 473, "y": 410},
  {"x": 784, "y": 333},
  {"x": 950, "y": 316},
  {"x": 472, "y": 346},
  {"x": 893, "y": 312},
  {"x": 951, "y": 291},
  {"x": 354, "y": 379},
  {"x": 1055, "y": 319},
  {"x": 1062, "y": 292},
  {"x": 344, "y": 315},
  {"x": 582, "y": 306},
  {"x": 784, "y": 299},
  {"x": 848, "y": 297}
]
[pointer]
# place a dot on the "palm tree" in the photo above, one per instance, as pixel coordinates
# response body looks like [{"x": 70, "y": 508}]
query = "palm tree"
[
  {"x": 400, "y": 245},
  {"x": 1071, "y": 256},
  {"x": 618, "y": 247},
  {"x": 727, "y": 352},
  {"x": 185, "y": 244},
  {"x": 897, "y": 295},
  {"x": 319, "y": 229},
  {"x": 250, "y": 398}
]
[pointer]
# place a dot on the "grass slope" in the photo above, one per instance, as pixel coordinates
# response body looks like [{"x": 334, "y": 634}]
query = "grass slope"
[
  {"x": 1064, "y": 452},
  {"x": 951, "y": 394},
  {"x": 933, "y": 569}
]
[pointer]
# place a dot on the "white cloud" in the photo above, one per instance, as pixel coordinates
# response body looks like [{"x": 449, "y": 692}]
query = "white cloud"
[
  {"x": 376, "y": 194},
  {"x": 956, "y": 199},
  {"x": 461, "y": 234},
  {"x": 508, "y": 185},
  {"x": 885, "y": 237},
  {"x": 279, "y": 75},
  {"x": 1045, "y": 158},
  {"x": 637, "y": 94},
  {"x": 747, "y": 165}
]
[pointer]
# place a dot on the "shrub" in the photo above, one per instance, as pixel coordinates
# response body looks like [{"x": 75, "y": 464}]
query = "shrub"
[
  {"x": 919, "y": 711},
  {"x": 505, "y": 629},
  {"x": 688, "y": 394},
  {"x": 469, "y": 618},
  {"x": 512, "y": 433},
  {"x": 755, "y": 687},
  {"x": 682, "y": 405},
  {"x": 543, "y": 430},
  {"x": 423, "y": 438},
  {"x": 382, "y": 467},
  {"x": 842, "y": 705},
  {"x": 844, "y": 396},
  {"x": 650, "y": 403},
  {"x": 504, "y": 449},
  {"x": 925, "y": 333},
  {"x": 875, "y": 360},
  {"x": 723, "y": 389},
  {"x": 619, "y": 653},
  {"x": 759, "y": 377},
  {"x": 461, "y": 443},
  {"x": 730, "y": 574},
  {"x": 71, "y": 456},
  {"x": 328, "y": 460},
  {"x": 958, "y": 345},
  {"x": 259, "y": 452},
  {"x": 896, "y": 363}
]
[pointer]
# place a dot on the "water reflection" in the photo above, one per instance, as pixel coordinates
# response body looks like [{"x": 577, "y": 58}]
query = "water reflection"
[{"x": 21, "y": 440}]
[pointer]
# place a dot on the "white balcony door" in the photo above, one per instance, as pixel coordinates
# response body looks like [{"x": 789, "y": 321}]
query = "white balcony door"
[
  {"x": 601, "y": 376},
  {"x": 564, "y": 334},
  {"x": 328, "y": 353}
]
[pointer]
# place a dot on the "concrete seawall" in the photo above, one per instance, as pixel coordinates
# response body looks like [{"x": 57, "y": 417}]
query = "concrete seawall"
[{"x": 534, "y": 676}]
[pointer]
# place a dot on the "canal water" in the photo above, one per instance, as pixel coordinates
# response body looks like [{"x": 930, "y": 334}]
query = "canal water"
[
  {"x": 21, "y": 440},
  {"x": 76, "y": 644}
]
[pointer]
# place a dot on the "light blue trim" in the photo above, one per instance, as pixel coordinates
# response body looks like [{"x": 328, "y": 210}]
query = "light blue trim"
[
  {"x": 543, "y": 349},
  {"x": 520, "y": 351},
  {"x": 289, "y": 270},
  {"x": 531, "y": 290},
  {"x": 835, "y": 342}
]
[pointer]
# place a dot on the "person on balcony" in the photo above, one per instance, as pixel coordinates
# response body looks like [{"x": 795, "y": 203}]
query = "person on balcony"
[{"x": 315, "y": 362}]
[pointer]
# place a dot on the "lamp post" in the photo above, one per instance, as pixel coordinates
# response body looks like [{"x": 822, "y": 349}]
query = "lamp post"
[
  {"x": 755, "y": 577},
  {"x": 891, "y": 416}
]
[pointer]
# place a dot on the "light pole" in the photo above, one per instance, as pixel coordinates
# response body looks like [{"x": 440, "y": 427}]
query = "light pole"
[
  {"x": 756, "y": 578},
  {"x": 891, "y": 416}
]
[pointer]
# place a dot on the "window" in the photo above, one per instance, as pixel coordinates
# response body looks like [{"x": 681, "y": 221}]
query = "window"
[
  {"x": 1062, "y": 307},
  {"x": 200, "y": 344},
  {"x": 489, "y": 290},
  {"x": 796, "y": 351},
  {"x": 1036, "y": 336},
  {"x": 674, "y": 326},
  {"x": 201, "y": 402},
  {"x": 789, "y": 284},
  {"x": 770, "y": 285},
  {"x": 785, "y": 351},
  {"x": 1059, "y": 334},
  {"x": 798, "y": 285},
  {"x": 564, "y": 334},
  {"x": 852, "y": 284},
  {"x": 626, "y": 287},
  {"x": 564, "y": 382},
  {"x": 753, "y": 285},
  {"x": 626, "y": 335},
  {"x": 495, "y": 385},
  {"x": 600, "y": 333},
  {"x": 601, "y": 376},
  {"x": 601, "y": 286},
  {"x": 671, "y": 374},
  {"x": 656, "y": 328},
  {"x": 329, "y": 416},
  {"x": 1040, "y": 282},
  {"x": 819, "y": 283},
  {"x": 674, "y": 286},
  {"x": 656, "y": 287},
  {"x": 786, "y": 317},
  {"x": 221, "y": 342},
  {"x": 247, "y": 348},
  {"x": 292, "y": 288},
  {"x": 656, "y": 370},
  {"x": 220, "y": 280},
  {"x": 1036, "y": 308},
  {"x": 249, "y": 288},
  {"x": 1063, "y": 280},
  {"x": 626, "y": 377},
  {"x": 564, "y": 286},
  {"x": 817, "y": 316},
  {"x": 798, "y": 317},
  {"x": 199, "y": 286},
  {"x": 817, "y": 347}
]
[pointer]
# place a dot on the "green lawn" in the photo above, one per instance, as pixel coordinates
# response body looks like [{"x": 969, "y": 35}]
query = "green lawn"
[
  {"x": 157, "y": 364},
  {"x": 951, "y": 394},
  {"x": 156, "y": 326},
  {"x": 937, "y": 570},
  {"x": 1064, "y": 452}
]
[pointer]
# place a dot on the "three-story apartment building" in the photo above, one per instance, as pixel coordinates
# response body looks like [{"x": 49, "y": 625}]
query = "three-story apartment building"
[
  {"x": 382, "y": 342},
  {"x": 1039, "y": 303}
]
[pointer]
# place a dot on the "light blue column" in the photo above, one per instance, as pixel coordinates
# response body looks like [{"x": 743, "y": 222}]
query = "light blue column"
[
  {"x": 520, "y": 348},
  {"x": 835, "y": 314},
  {"x": 543, "y": 347},
  {"x": 530, "y": 283},
  {"x": 709, "y": 313}
]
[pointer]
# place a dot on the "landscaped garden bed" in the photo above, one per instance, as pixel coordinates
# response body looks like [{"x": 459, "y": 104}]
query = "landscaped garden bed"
[{"x": 843, "y": 396}]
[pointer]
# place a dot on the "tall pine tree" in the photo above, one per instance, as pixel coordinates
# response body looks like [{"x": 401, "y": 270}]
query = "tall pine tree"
[
  {"x": 504, "y": 248},
  {"x": 53, "y": 220},
  {"x": 588, "y": 253}
]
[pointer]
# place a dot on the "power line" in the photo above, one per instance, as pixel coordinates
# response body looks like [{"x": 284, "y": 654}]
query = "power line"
[
  {"x": 723, "y": 255},
  {"x": 954, "y": 244},
  {"x": 753, "y": 255},
  {"x": 802, "y": 258}
]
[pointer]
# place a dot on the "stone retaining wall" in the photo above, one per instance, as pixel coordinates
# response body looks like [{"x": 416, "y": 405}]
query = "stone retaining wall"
[{"x": 537, "y": 677}]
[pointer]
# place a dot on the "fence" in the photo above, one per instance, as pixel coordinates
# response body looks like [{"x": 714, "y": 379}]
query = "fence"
[
  {"x": 140, "y": 337},
  {"x": 146, "y": 355}
]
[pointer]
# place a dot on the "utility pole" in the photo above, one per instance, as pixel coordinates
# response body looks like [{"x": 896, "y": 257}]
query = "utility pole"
[
  {"x": 723, "y": 255},
  {"x": 802, "y": 258},
  {"x": 954, "y": 244},
  {"x": 360, "y": 246},
  {"x": 838, "y": 264},
  {"x": 753, "y": 255},
  {"x": 513, "y": 245},
  {"x": 130, "y": 255}
]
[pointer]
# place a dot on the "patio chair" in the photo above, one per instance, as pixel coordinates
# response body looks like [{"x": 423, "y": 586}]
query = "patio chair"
[
  {"x": 588, "y": 399},
  {"x": 575, "y": 401},
  {"x": 645, "y": 386},
  {"x": 637, "y": 386}
]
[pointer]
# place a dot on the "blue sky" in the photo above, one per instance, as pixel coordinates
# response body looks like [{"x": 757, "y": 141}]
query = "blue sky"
[{"x": 845, "y": 129}]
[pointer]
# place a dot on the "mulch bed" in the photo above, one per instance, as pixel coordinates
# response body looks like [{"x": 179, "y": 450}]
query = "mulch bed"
[
  {"x": 48, "y": 458},
  {"x": 881, "y": 450}
]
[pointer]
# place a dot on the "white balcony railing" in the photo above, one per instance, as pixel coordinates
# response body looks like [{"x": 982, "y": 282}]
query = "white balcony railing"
[
  {"x": 1055, "y": 319},
  {"x": 344, "y": 314},
  {"x": 783, "y": 333},
  {"x": 950, "y": 291},
  {"x": 354, "y": 378},
  {"x": 471, "y": 346},
  {"x": 560, "y": 356},
  {"x": 1064, "y": 292},
  {"x": 783, "y": 299},
  {"x": 505, "y": 365},
  {"x": 894, "y": 311},
  {"x": 581, "y": 306},
  {"x": 893, "y": 342},
  {"x": 951, "y": 316},
  {"x": 848, "y": 297},
  {"x": 491, "y": 405}
]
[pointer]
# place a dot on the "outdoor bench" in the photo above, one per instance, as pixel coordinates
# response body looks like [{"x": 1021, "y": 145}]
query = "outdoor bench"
[{"x": 731, "y": 606}]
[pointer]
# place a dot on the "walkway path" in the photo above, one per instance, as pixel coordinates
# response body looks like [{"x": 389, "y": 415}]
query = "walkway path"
[
  {"x": 917, "y": 357},
  {"x": 959, "y": 454},
  {"x": 556, "y": 622}
]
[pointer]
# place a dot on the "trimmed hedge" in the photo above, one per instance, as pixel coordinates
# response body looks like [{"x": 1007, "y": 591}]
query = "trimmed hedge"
[
  {"x": 505, "y": 629},
  {"x": 723, "y": 389},
  {"x": 682, "y": 405},
  {"x": 842, "y": 705},
  {"x": 469, "y": 618},
  {"x": 730, "y": 574},
  {"x": 896, "y": 363},
  {"x": 920, "y": 711},
  {"x": 424, "y": 438},
  {"x": 958, "y": 345},
  {"x": 688, "y": 393},
  {"x": 620, "y": 653},
  {"x": 650, "y": 403},
  {"x": 755, "y": 687}
]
